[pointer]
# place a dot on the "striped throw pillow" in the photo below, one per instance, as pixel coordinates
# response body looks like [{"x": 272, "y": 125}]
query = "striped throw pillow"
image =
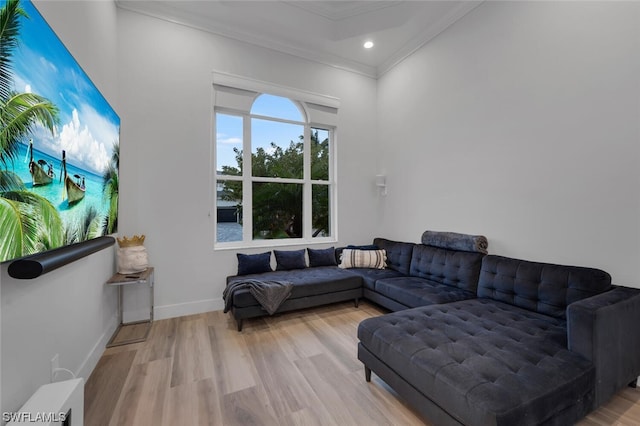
[{"x": 352, "y": 258}]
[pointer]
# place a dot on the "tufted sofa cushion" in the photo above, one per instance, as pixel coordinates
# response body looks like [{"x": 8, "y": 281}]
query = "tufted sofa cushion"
[
  {"x": 371, "y": 276},
  {"x": 449, "y": 267},
  {"x": 540, "y": 287},
  {"x": 398, "y": 254},
  {"x": 484, "y": 362},
  {"x": 415, "y": 291}
]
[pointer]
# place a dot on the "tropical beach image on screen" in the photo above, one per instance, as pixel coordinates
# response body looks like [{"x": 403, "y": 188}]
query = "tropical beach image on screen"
[{"x": 59, "y": 141}]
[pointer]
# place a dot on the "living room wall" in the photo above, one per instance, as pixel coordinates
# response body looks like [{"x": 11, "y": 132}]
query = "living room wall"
[
  {"x": 521, "y": 122},
  {"x": 162, "y": 72},
  {"x": 69, "y": 311},
  {"x": 165, "y": 74}
]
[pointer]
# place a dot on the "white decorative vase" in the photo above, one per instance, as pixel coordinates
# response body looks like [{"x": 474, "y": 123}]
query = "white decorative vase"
[
  {"x": 132, "y": 259},
  {"x": 132, "y": 255}
]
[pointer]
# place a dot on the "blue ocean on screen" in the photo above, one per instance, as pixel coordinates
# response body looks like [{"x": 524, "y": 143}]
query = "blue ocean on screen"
[{"x": 54, "y": 192}]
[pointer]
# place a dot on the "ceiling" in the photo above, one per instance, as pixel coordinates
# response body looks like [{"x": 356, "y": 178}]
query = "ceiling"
[{"x": 330, "y": 32}]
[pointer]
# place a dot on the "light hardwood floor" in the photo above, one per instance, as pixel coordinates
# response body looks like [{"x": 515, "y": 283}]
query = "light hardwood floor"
[{"x": 298, "y": 368}]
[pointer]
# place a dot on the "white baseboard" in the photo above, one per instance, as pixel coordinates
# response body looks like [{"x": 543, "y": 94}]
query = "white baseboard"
[
  {"x": 97, "y": 351},
  {"x": 160, "y": 312},
  {"x": 188, "y": 308}
]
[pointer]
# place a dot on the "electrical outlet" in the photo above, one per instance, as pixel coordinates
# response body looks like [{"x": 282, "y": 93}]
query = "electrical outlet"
[{"x": 55, "y": 364}]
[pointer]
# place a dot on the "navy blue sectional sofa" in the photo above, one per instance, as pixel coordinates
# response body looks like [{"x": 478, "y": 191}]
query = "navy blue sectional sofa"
[{"x": 482, "y": 339}]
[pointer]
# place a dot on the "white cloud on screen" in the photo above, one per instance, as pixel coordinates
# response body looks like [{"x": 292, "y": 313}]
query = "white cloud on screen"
[
  {"x": 87, "y": 148},
  {"x": 48, "y": 65}
]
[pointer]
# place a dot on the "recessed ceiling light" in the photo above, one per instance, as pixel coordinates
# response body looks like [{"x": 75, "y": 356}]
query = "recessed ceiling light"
[{"x": 368, "y": 44}]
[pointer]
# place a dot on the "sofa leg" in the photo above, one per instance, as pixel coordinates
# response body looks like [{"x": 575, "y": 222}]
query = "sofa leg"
[
  {"x": 367, "y": 373},
  {"x": 634, "y": 384},
  {"x": 239, "y": 324},
  {"x": 356, "y": 301}
]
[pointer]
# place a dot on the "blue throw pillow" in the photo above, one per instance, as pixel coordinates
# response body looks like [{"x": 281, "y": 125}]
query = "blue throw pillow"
[
  {"x": 254, "y": 263},
  {"x": 292, "y": 259},
  {"x": 322, "y": 257}
]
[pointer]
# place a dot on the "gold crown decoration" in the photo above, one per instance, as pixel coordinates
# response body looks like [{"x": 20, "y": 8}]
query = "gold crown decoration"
[{"x": 136, "y": 240}]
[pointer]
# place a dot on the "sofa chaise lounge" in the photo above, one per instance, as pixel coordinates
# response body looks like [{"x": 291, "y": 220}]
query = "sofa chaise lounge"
[{"x": 541, "y": 344}]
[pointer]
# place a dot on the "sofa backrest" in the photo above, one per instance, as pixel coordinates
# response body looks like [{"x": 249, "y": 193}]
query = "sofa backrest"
[
  {"x": 398, "y": 254},
  {"x": 455, "y": 268},
  {"x": 540, "y": 287}
]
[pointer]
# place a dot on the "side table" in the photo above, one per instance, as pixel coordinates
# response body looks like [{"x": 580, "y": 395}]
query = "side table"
[{"x": 120, "y": 280}]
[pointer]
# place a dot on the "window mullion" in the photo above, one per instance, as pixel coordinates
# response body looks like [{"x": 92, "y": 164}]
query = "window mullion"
[
  {"x": 333, "y": 187},
  {"x": 307, "y": 198},
  {"x": 247, "y": 184}
]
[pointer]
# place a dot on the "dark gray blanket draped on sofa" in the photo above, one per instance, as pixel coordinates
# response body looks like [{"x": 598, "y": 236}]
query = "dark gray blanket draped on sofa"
[{"x": 269, "y": 293}]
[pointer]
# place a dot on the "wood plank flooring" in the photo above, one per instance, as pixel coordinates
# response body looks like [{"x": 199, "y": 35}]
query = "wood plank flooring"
[{"x": 298, "y": 368}]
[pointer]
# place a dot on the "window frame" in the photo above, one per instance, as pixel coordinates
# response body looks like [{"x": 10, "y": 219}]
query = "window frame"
[{"x": 248, "y": 179}]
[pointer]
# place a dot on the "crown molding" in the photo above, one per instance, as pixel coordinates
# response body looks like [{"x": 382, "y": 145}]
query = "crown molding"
[
  {"x": 426, "y": 36},
  {"x": 165, "y": 12},
  {"x": 203, "y": 24}
]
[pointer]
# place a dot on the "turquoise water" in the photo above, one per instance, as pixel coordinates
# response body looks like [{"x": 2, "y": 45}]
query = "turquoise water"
[{"x": 54, "y": 191}]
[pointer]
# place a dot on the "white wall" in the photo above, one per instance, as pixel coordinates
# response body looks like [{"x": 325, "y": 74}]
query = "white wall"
[
  {"x": 68, "y": 311},
  {"x": 164, "y": 86},
  {"x": 521, "y": 122},
  {"x": 165, "y": 74}
]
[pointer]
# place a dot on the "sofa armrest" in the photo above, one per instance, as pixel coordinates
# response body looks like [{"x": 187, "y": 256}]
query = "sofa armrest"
[{"x": 604, "y": 330}]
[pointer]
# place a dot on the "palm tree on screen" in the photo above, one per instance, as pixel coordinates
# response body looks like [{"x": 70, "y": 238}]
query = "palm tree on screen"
[
  {"x": 110, "y": 190},
  {"x": 28, "y": 222}
]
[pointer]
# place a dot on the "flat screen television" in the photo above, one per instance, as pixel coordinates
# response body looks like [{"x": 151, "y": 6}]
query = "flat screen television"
[{"x": 59, "y": 142}]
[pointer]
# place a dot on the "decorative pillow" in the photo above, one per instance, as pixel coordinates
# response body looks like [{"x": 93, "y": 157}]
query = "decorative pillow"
[
  {"x": 254, "y": 263},
  {"x": 352, "y": 258},
  {"x": 322, "y": 257},
  {"x": 292, "y": 259}
]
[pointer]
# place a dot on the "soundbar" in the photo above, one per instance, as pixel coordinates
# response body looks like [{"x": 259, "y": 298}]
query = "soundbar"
[{"x": 33, "y": 266}]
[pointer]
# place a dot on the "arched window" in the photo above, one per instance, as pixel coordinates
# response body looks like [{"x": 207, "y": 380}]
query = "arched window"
[
  {"x": 276, "y": 107},
  {"x": 286, "y": 195}
]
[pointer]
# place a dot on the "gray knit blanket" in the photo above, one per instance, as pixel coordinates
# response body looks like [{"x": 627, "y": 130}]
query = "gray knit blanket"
[
  {"x": 455, "y": 241},
  {"x": 269, "y": 293}
]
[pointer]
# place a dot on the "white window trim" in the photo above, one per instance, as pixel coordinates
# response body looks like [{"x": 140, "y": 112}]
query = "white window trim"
[{"x": 247, "y": 84}]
